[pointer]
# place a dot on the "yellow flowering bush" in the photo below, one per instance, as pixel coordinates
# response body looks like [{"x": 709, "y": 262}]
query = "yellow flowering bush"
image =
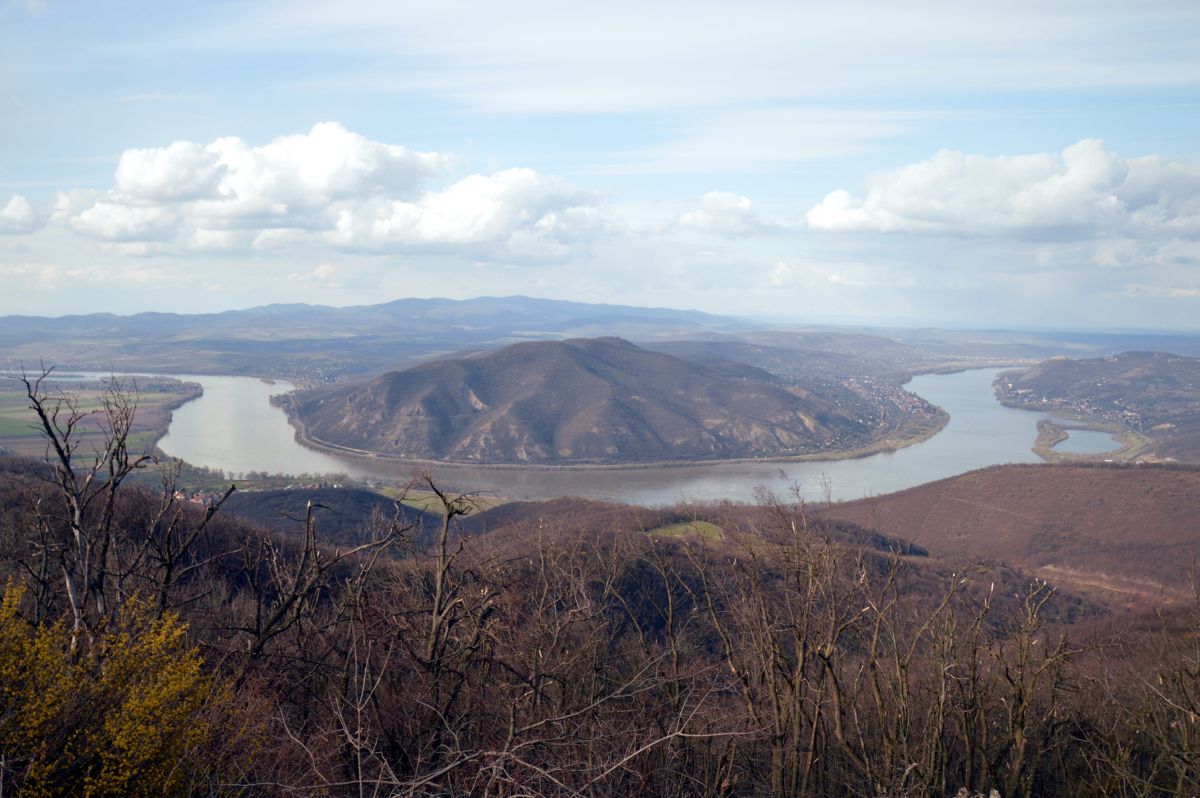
[{"x": 124, "y": 716}]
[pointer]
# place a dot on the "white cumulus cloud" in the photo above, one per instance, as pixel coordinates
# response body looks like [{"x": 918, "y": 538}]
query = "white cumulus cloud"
[
  {"x": 292, "y": 180},
  {"x": 18, "y": 216},
  {"x": 115, "y": 221},
  {"x": 327, "y": 186},
  {"x": 288, "y": 182},
  {"x": 69, "y": 204},
  {"x": 1086, "y": 191},
  {"x": 184, "y": 170},
  {"x": 532, "y": 212}
]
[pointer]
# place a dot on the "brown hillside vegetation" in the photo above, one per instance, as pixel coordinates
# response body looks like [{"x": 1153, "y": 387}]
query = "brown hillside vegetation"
[
  {"x": 1133, "y": 530},
  {"x": 566, "y": 652},
  {"x": 151, "y": 647},
  {"x": 582, "y": 400}
]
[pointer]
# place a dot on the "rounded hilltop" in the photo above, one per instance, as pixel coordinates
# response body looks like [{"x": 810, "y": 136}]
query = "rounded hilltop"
[{"x": 576, "y": 401}]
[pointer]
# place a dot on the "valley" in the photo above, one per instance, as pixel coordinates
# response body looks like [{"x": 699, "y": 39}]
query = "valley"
[
  {"x": 233, "y": 428},
  {"x": 599, "y": 400},
  {"x": 634, "y": 515}
]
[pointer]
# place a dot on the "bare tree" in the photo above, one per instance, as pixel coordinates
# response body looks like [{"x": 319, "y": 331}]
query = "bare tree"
[{"x": 88, "y": 471}]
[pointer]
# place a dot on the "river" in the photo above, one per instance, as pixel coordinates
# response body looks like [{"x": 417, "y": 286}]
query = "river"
[{"x": 234, "y": 427}]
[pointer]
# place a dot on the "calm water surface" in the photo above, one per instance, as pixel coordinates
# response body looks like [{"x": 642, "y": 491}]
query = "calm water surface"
[
  {"x": 234, "y": 427},
  {"x": 1087, "y": 441}
]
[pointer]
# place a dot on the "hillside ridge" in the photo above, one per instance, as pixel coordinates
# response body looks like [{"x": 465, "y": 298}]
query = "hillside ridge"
[{"x": 584, "y": 400}]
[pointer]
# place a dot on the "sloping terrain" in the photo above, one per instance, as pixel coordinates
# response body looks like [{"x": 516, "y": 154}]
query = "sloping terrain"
[
  {"x": 572, "y": 515},
  {"x": 598, "y": 400},
  {"x": 1155, "y": 393},
  {"x": 345, "y": 516},
  {"x": 1131, "y": 530}
]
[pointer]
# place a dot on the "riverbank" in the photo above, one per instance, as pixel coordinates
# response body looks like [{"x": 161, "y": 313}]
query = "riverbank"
[
  {"x": 1051, "y": 433},
  {"x": 236, "y": 428},
  {"x": 157, "y": 398},
  {"x": 194, "y": 390}
]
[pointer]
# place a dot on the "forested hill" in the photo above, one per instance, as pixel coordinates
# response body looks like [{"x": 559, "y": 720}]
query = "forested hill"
[
  {"x": 1129, "y": 532},
  {"x": 581, "y": 400}
]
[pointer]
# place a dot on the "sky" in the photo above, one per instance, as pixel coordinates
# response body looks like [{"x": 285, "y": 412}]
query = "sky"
[{"x": 1014, "y": 164}]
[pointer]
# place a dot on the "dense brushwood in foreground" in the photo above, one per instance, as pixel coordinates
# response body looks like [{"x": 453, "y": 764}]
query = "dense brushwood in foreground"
[
  {"x": 150, "y": 648},
  {"x": 561, "y": 658}
]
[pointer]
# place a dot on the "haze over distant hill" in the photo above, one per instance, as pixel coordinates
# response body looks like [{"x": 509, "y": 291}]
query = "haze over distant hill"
[
  {"x": 319, "y": 344},
  {"x": 824, "y": 356},
  {"x": 1156, "y": 393},
  {"x": 582, "y": 400},
  {"x": 316, "y": 342}
]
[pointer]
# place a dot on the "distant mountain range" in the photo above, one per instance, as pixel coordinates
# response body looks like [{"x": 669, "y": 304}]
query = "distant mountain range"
[
  {"x": 599, "y": 400},
  {"x": 260, "y": 322},
  {"x": 316, "y": 342}
]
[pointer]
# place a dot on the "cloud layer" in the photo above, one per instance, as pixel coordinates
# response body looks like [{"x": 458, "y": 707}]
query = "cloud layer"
[
  {"x": 329, "y": 186},
  {"x": 358, "y": 218},
  {"x": 1086, "y": 191},
  {"x": 626, "y": 56}
]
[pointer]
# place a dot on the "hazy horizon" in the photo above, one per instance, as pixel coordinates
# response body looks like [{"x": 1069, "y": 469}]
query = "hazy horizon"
[{"x": 814, "y": 321}]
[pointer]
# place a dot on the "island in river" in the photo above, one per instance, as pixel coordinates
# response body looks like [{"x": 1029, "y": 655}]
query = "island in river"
[
  {"x": 600, "y": 401},
  {"x": 210, "y": 433}
]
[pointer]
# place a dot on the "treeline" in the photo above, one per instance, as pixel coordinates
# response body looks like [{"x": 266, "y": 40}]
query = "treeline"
[{"x": 148, "y": 647}]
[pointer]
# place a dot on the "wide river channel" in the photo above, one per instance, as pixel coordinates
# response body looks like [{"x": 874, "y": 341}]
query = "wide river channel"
[{"x": 234, "y": 427}]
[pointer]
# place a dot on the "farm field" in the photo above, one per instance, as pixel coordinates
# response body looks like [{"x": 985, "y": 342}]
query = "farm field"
[{"x": 20, "y": 432}]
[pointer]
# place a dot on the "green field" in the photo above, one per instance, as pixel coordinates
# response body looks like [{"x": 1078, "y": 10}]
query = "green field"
[
  {"x": 702, "y": 528},
  {"x": 11, "y": 427},
  {"x": 21, "y": 433},
  {"x": 16, "y": 420},
  {"x": 429, "y": 502}
]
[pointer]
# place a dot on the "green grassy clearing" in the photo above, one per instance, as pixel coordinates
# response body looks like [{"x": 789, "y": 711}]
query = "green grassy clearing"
[
  {"x": 429, "y": 503},
  {"x": 16, "y": 427},
  {"x": 702, "y": 528}
]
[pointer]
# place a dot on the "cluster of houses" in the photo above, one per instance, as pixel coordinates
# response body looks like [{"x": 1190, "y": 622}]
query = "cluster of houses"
[{"x": 203, "y": 497}]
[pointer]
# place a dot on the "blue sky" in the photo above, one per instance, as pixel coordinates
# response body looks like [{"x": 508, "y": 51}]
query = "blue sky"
[{"x": 1023, "y": 164}]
